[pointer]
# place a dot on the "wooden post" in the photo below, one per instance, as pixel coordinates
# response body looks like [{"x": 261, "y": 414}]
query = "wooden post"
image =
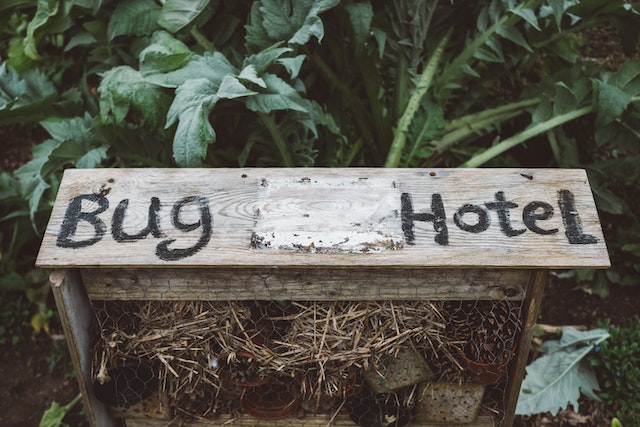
[
  {"x": 314, "y": 234},
  {"x": 78, "y": 322}
]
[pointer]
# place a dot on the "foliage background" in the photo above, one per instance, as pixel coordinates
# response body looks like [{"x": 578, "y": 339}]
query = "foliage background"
[{"x": 409, "y": 83}]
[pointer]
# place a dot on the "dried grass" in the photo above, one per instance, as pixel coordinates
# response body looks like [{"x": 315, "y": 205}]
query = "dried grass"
[{"x": 198, "y": 345}]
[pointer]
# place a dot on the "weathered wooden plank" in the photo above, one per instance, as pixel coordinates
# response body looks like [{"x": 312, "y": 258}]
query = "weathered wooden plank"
[
  {"x": 530, "y": 311},
  {"x": 304, "y": 284},
  {"x": 457, "y": 218},
  {"x": 76, "y": 316},
  {"x": 341, "y": 420}
]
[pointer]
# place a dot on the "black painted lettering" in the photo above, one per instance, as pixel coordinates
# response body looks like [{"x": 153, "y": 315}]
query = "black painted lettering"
[
  {"x": 502, "y": 206},
  {"x": 529, "y": 217},
  {"x": 572, "y": 221},
  {"x": 483, "y": 220},
  {"x": 436, "y": 216},
  {"x": 74, "y": 215},
  {"x": 153, "y": 224},
  {"x": 205, "y": 222}
]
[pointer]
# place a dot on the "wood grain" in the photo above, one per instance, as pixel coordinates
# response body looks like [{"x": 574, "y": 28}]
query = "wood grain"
[
  {"x": 324, "y": 217},
  {"x": 319, "y": 284},
  {"x": 341, "y": 420},
  {"x": 76, "y": 316}
]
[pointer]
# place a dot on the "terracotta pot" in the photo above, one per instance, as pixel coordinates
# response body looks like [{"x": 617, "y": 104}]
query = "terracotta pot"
[
  {"x": 128, "y": 383},
  {"x": 487, "y": 373},
  {"x": 271, "y": 401}
]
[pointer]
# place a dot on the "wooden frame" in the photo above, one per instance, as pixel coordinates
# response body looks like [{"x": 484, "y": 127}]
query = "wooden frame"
[{"x": 313, "y": 234}]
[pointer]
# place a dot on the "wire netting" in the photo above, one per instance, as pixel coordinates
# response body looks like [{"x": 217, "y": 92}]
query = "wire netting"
[{"x": 375, "y": 363}]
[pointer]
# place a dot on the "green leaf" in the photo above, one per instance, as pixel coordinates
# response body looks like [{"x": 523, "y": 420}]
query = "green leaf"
[
  {"x": 605, "y": 200},
  {"x": 31, "y": 182},
  {"x": 278, "y": 95},
  {"x": 513, "y": 35},
  {"x": 194, "y": 101},
  {"x": 93, "y": 5},
  {"x": 250, "y": 75},
  {"x": 45, "y": 12},
  {"x": 609, "y": 102},
  {"x": 426, "y": 126},
  {"x": 123, "y": 88},
  {"x": 625, "y": 75},
  {"x": 273, "y": 21},
  {"x": 162, "y": 60},
  {"x": 53, "y": 416},
  {"x": 72, "y": 143},
  {"x": 92, "y": 158},
  {"x": 231, "y": 88},
  {"x": 74, "y": 129},
  {"x": 559, "y": 7},
  {"x": 528, "y": 15},
  {"x": 265, "y": 58},
  {"x": 561, "y": 374},
  {"x": 177, "y": 14},
  {"x": 360, "y": 16},
  {"x": 24, "y": 97},
  {"x": 133, "y": 18},
  {"x": 292, "y": 65},
  {"x": 167, "y": 64},
  {"x": 83, "y": 38}
]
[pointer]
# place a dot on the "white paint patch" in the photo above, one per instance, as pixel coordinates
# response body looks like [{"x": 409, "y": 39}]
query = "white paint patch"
[{"x": 329, "y": 215}]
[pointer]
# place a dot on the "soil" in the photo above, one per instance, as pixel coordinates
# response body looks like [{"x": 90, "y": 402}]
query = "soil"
[{"x": 30, "y": 382}]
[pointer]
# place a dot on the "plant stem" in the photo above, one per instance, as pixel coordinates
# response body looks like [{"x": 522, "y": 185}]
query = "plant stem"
[
  {"x": 461, "y": 128},
  {"x": 269, "y": 123},
  {"x": 400, "y": 137},
  {"x": 521, "y": 137},
  {"x": 555, "y": 147},
  {"x": 402, "y": 85},
  {"x": 202, "y": 40},
  {"x": 529, "y": 133}
]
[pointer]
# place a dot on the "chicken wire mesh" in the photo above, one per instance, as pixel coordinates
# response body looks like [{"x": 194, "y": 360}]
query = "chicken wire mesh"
[{"x": 380, "y": 362}]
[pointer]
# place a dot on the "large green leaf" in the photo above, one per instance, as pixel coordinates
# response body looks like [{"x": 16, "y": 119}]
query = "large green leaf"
[
  {"x": 360, "y": 16},
  {"x": 295, "y": 22},
  {"x": 168, "y": 62},
  {"x": 278, "y": 95},
  {"x": 177, "y": 14},
  {"x": 191, "y": 107},
  {"x": 24, "y": 97},
  {"x": 72, "y": 143},
  {"x": 133, "y": 18},
  {"x": 561, "y": 374},
  {"x": 609, "y": 102},
  {"x": 123, "y": 88}
]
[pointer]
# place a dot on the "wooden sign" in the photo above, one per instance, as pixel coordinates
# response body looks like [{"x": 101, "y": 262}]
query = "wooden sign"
[{"x": 451, "y": 218}]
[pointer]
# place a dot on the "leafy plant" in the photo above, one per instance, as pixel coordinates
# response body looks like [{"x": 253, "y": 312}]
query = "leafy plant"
[
  {"x": 54, "y": 416},
  {"x": 559, "y": 376},
  {"x": 617, "y": 364}
]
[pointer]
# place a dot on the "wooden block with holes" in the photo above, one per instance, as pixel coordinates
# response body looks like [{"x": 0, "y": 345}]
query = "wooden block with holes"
[{"x": 170, "y": 282}]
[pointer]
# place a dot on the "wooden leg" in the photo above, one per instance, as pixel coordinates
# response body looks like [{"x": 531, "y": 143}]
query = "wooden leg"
[
  {"x": 76, "y": 315},
  {"x": 530, "y": 309}
]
